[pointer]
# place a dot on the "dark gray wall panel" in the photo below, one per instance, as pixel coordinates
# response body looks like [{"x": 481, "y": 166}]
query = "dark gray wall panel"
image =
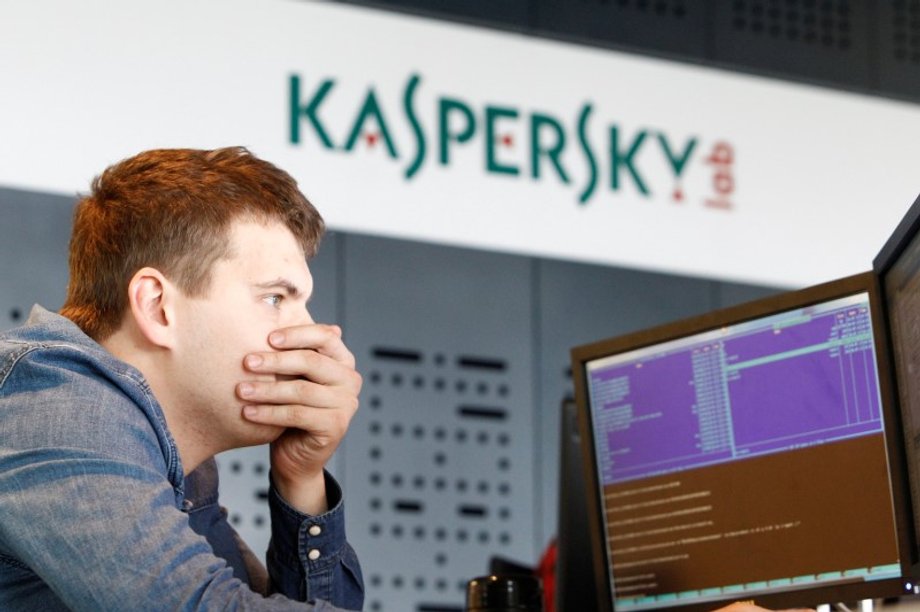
[
  {"x": 440, "y": 462},
  {"x": 34, "y": 233},
  {"x": 822, "y": 40},
  {"x": 731, "y": 294},
  {"x": 508, "y": 12},
  {"x": 871, "y": 47},
  {"x": 667, "y": 26},
  {"x": 898, "y": 53}
]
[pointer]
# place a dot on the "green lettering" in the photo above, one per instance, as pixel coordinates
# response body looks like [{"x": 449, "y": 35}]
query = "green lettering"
[
  {"x": 446, "y": 107},
  {"x": 494, "y": 113},
  {"x": 553, "y": 151},
  {"x": 677, "y": 163},
  {"x": 618, "y": 160},
  {"x": 298, "y": 110},
  {"x": 589, "y": 154},
  {"x": 370, "y": 108},
  {"x": 408, "y": 106}
]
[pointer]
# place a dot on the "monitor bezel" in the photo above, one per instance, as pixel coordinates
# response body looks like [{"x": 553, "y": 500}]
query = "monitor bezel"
[
  {"x": 907, "y": 229},
  {"x": 574, "y": 571},
  {"x": 861, "y": 283},
  {"x": 888, "y": 257}
]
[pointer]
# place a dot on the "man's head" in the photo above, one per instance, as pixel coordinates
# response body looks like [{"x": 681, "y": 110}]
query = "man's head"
[
  {"x": 172, "y": 209},
  {"x": 182, "y": 263}
]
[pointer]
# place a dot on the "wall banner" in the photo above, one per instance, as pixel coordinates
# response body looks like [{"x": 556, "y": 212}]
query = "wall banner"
[{"x": 425, "y": 130}]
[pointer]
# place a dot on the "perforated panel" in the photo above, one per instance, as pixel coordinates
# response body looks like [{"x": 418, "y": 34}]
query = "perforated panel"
[
  {"x": 827, "y": 24},
  {"x": 868, "y": 46},
  {"x": 244, "y": 492},
  {"x": 34, "y": 233},
  {"x": 818, "y": 39},
  {"x": 899, "y": 46},
  {"x": 903, "y": 21},
  {"x": 672, "y": 26},
  {"x": 440, "y": 461}
]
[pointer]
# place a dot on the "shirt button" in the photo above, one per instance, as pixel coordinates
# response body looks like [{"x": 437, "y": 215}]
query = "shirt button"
[
  {"x": 315, "y": 530},
  {"x": 313, "y": 555}
]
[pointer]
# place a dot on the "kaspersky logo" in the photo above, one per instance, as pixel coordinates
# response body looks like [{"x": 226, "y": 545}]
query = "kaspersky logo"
[{"x": 617, "y": 162}]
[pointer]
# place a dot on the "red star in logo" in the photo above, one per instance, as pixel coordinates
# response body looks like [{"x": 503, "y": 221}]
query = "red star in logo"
[
  {"x": 678, "y": 195},
  {"x": 371, "y": 138},
  {"x": 507, "y": 140}
]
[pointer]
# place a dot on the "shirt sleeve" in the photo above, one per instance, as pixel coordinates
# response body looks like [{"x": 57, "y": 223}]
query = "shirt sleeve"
[
  {"x": 309, "y": 557},
  {"x": 324, "y": 568}
]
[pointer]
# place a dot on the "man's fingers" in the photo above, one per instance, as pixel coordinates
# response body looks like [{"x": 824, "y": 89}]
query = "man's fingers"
[
  {"x": 286, "y": 415},
  {"x": 307, "y": 364},
  {"x": 293, "y": 363},
  {"x": 325, "y": 339},
  {"x": 323, "y": 423},
  {"x": 298, "y": 392}
]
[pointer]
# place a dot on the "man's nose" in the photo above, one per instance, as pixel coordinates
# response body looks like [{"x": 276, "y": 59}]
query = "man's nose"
[{"x": 306, "y": 318}]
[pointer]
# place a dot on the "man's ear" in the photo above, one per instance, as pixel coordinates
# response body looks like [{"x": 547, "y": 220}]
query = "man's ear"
[{"x": 151, "y": 299}]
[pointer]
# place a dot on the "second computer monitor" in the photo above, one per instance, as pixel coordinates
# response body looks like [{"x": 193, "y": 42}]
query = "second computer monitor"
[{"x": 751, "y": 453}]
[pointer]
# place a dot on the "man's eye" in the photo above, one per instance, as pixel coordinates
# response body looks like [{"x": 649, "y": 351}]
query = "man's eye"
[{"x": 274, "y": 300}]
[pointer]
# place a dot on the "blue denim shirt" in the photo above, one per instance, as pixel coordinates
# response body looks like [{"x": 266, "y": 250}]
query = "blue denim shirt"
[{"x": 96, "y": 514}]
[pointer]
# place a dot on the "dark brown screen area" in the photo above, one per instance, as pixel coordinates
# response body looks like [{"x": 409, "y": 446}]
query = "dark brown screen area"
[{"x": 785, "y": 517}]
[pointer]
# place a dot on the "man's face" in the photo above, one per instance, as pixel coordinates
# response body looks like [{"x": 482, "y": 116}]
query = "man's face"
[{"x": 262, "y": 287}]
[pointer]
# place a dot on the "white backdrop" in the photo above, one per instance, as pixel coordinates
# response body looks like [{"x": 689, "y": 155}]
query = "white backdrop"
[{"x": 807, "y": 183}]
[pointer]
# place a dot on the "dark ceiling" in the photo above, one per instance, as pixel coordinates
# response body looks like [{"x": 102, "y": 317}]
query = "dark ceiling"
[{"x": 869, "y": 46}]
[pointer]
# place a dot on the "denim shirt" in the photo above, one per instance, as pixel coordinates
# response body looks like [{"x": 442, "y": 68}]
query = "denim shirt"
[{"x": 96, "y": 514}]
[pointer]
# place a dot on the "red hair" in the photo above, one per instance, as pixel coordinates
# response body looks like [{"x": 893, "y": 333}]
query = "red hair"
[{"x": 171, "y": 209}]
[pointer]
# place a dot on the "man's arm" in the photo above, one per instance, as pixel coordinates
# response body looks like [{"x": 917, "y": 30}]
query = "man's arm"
[
  {"x": 336, "y": 564},
  {"x": 315, "y": 400},
  {"x": 309, "y": 557}
]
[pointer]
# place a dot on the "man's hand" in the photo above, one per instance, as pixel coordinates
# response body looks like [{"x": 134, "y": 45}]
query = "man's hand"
[{"x": 314, "y": 399}]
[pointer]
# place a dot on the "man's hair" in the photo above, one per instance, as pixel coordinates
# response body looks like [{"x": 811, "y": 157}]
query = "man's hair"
[{"x": 171, "y": 209}]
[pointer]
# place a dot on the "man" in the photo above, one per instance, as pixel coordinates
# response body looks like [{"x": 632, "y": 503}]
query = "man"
[{"x": 184, "y": 333}]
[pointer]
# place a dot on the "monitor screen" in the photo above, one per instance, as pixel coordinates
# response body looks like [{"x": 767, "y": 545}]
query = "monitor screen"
[
  {"x": 751, "y": 453},
  {"x": 898, "y": 268}
]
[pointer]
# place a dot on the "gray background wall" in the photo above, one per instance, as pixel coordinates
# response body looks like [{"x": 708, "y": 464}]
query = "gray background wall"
[{"x": 453, "y": 457}]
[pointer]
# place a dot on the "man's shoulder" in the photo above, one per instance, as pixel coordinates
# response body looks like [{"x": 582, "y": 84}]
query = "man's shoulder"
[
  {"x": 60, "y": 388},
  {"x": 60, "y": 350},
  {"x": 45, "y": 330}
]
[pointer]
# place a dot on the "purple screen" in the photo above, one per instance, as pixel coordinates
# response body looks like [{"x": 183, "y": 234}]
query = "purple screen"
[{"x": 786, "y": 381}]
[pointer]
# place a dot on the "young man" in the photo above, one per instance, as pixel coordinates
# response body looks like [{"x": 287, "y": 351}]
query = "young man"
[{"x": 185, "y": 333}]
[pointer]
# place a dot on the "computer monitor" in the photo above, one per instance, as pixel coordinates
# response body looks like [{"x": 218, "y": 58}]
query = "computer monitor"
[
  {"x": 898, "y": 268},
  {"x": 752, "y": 453},
  {"x": 575, "y": 585}
]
